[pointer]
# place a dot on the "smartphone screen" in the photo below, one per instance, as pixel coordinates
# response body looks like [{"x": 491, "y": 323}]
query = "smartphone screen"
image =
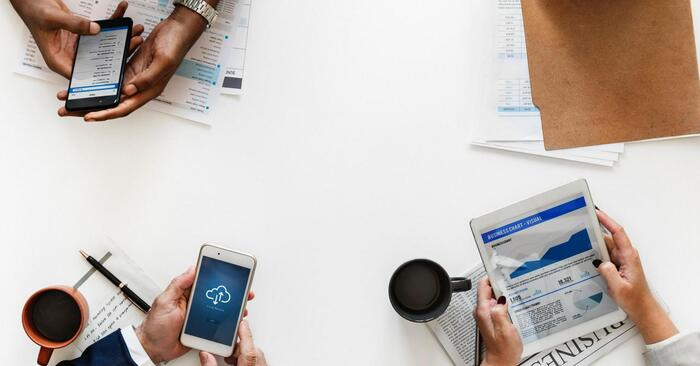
[
  {"x": 217, "y": 300},
  {"x": 99, "y": 64}
]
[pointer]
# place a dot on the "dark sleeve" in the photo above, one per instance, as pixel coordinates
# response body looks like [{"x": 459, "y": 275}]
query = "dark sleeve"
[{"x": 108, "y": 351}]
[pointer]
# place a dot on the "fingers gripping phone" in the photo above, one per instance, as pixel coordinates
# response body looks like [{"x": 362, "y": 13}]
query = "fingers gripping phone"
[
  {"x": 98, "y": 67},
  {"x": 217, "y": 300}
]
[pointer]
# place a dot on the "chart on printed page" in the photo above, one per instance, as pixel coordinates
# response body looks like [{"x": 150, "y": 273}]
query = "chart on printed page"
[
  {"x": 233, "y": 79},
  {"x": 513, "y": 93},
  {"x": 193, "y": 91},
  {"x": 544, "y": 261}
]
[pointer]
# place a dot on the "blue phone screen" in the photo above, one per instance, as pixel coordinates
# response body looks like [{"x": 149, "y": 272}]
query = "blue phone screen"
[{"x": 217, "y": 300}]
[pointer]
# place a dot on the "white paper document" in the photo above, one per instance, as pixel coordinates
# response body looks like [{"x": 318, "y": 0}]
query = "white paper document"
[
  {"x": 233, "y": 79},
  {"x": 509, "y": 120},
  {"x": 516, "y": 146},
  {"x": 193, "y": 91},
  {"x": 109, "y": 309},
  {"x": 456, "y": 330}
]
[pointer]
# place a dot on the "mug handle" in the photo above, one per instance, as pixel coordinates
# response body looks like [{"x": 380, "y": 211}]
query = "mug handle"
[
  {"x": 44, "y": 356},
  {"x": 460, "y": 284}
]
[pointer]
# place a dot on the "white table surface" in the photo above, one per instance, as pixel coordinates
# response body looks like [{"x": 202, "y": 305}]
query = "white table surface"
[{"x": 347, "y": 155}]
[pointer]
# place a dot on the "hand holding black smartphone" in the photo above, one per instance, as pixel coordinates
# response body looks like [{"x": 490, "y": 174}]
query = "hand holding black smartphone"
[{"x": 98, "y": 68}]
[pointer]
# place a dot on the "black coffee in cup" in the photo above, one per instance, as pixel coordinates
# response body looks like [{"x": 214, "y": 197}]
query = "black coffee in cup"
[
  {"x": 56, "y": 316},
  {"x": 418, "y": 287},
  {"x": 420, "y": 290}
]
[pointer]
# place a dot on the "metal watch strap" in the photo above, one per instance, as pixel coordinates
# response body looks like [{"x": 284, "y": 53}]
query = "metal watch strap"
[{"x": 200, "y": 7}]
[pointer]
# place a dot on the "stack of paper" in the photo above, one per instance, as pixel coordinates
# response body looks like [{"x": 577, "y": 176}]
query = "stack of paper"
[
  {"x": 214, "y": 65},
  {"x": 509, "y": 120}
]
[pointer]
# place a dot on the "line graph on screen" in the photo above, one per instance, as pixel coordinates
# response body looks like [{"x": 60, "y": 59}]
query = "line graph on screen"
[{"x": 578, "y": 243}]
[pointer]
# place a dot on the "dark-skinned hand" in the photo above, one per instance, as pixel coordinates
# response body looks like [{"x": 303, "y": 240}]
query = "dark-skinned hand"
[
  {"x": 56, "y": 29},
  {"x": 151, "y": 67}
]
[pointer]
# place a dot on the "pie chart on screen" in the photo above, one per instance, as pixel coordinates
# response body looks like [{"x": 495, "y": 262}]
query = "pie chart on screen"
[{"x": 588, "y": 297}]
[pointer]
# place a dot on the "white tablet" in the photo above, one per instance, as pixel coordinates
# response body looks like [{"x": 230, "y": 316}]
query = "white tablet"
[{"x": 538, "y": 253}]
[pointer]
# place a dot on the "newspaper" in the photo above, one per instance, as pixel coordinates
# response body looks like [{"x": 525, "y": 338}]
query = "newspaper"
[{"x": 456, "y": 330}]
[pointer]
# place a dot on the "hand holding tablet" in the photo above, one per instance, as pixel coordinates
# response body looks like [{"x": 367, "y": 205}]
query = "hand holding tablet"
[
  {"x": 628, "y": 285},
  {"x": 539, "y": 255},
  {"x": 502, "y": 340}
]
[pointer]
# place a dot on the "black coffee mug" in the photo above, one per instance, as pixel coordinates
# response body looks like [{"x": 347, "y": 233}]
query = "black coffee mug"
[{"x": 420, "y": 290}]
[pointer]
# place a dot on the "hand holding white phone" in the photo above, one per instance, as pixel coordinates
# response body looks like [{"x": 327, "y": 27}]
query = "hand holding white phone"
[{"x": 217, "y": 299}]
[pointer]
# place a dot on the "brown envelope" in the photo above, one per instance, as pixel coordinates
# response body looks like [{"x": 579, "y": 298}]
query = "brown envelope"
[{"x": 606, "y": 71}]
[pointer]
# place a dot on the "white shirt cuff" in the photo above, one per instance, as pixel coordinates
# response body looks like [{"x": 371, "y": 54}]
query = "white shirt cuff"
[
  {"x": 136, "y": 351},
  {"x": 665, "y": 342}
]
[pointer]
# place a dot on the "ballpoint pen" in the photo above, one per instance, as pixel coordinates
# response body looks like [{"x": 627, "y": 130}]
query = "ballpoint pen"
[{"x": 135, "y": 299}]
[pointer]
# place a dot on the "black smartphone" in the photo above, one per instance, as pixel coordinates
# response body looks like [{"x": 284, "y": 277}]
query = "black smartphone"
[{"x": 98, "y": 69}]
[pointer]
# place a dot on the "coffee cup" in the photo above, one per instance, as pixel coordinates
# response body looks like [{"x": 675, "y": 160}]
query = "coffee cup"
[
  {"x": 420, "y": 290},
  {"x": 53, "y": 317}
]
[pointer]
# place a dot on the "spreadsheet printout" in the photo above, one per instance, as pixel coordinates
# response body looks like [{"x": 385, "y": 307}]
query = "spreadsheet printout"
[{"x": 194, "y": 89}]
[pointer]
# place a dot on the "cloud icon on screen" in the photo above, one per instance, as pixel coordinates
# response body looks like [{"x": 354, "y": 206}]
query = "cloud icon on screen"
[{"x": 218, "y": 295}]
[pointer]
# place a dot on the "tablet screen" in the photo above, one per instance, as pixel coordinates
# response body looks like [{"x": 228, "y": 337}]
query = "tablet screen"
[{"x": 543, "y": 264}]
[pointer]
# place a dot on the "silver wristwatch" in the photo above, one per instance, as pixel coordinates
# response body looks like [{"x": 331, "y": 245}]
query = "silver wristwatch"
[{"x": 200, "y": 7}]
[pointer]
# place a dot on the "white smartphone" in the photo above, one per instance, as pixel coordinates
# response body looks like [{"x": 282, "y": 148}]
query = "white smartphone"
[{"x": 217, "y": 300}]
